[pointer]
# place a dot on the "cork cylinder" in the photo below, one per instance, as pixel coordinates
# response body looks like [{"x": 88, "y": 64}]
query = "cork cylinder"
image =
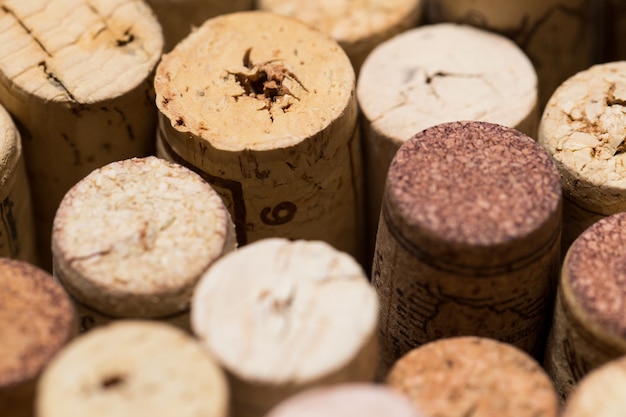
[
  {"x": 435, "y": 74},
  {"x": 283, "y": 316},
  {"x": 468, "y": 242},
  {"x": 556, "y": 35},
  {"x": 133, "y": 368},
  {"x": 589, "y": 328},
  {"x": 263, "y": 107},
  {"x": 77, "y": 77},
  {"x": 481, "y": 377},
  {"x": 132, "y": 239},
  {"x": 358, "y": 26},
  {"x": 346, "y": 400},
  {"x": 17, "y": 230},
  {"x": 583, "y": 127},
  {"x": 37, "y": 319}
]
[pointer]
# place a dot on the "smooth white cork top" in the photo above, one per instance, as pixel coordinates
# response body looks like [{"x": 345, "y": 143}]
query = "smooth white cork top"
[
  {"x": 10, "y": 145},
  {"x": 78, "y": 50},
  {"x": 133, "y": 368},
  {"x": 279, "y": 311},
  {"x": 443, "y": 73},
  {"x": 133, "y": 237}
]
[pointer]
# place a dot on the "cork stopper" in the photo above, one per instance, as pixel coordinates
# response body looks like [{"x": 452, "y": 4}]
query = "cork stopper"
[
  {"x": 133, "y": 368},
  {"x": 464, "y": 376},
  {"x": 133, "y": 237},
  {"x": 473, "y": 194},
  {"x": 10, "y": 146}
]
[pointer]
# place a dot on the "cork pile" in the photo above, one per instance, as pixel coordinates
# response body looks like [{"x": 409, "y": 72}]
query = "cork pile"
[{"x": 276, "y": 208}]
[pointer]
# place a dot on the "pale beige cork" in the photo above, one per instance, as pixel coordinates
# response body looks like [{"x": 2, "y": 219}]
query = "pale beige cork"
[
  {"x": 346, "y": 400},
  {"x": 291, "y": 315},
  {"x": 133, "y": 238},
  {"x": 77, "y": 77},
  {"x": 133, "y": 368},
  {"x": 263, "y": 107},
  {"x": 37, "y": 319},
  {"x": 481, "y": 377},
  {"x": 583, "y": 129},
  {"x": 17, "y": 230},
  {"x": 589, "y": 327},
  {"x": 358, "y": 26},
  {"x": 435, "y": 74},
  {"x": 468, "y": 242},
  {"x": 557, "y": 35}
]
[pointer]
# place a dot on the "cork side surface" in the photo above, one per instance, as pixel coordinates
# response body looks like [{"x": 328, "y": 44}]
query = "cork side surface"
[{"x": 10, "y": 146}]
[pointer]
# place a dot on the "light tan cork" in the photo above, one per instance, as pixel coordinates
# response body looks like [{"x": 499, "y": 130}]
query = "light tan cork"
[
  {"x": 468, "y": 242},
  {"x": 358, "y": 26},
  {"x": 81, "y": 91},
  {"x": 133, "y": 237},
  {"x": 17, "y": 230},
  {"x": 435, "y": 74},
  {"x": 291, "y": 315},
  {"x": 555, "y": 34},
  {"x": 589, "y": 327},
  {"x": 481, "y": 377},
  {"x": 36, "y": 320},
  {"x": 263, "y": 107},
  {"x": 583, "y": 129},
  {"x": 133, "y": 368},
  {"x": 346, "y": 400}
]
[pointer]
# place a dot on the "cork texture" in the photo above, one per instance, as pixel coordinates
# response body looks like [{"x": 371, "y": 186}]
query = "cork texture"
[{"x": 474, "y": 376}]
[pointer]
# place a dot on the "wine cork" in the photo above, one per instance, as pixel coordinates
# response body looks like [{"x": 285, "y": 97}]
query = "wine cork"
[
  {"x": 133, "y": 368},
  {"x": 132, "y": 238},
  {"x": 588, "y": 328},
  {"x": 475, "y": 376},
  {"x": 17, "y": 231},
  {"x": 179, "y": 17},
  {"x": 36, "y": 320},
  {"x": 435, "y": 74},
  {"x": 600, "y": 393},
  {"x": 263, "y": 107},
  {"x": 556, "y": 35},
  {"x": 468, "y": 242},
  {"x": 583, "y": 129},
  {"x": 283, "y": 316},
  {"x": 357, "y": 26},
  {"x": 346, "y": 400},
  {"x": 80, "y": 91}
]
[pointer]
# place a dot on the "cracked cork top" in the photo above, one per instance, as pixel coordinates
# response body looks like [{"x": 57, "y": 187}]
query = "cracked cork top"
[
  {"x": 476, "y": 190},
  {"x": 254, "y": 80},
  {"x": 77, "y": 51},
  {"x": 595, "y": 273}
]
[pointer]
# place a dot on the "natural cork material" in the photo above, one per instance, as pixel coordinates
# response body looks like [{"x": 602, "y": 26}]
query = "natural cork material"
[
  {"x": 133, "y": 368},
  {"x": 468, "y": 239},
  {"x": 290, "y": 316},
  {"x": 81, "y": 91},
  {"x": 481, "y": 377},
  {"x": 37, "y": 319},
  {"x": 263, "y": 107},
  {"x": 132, "y": 239},
  {"x": 589, "y": 328}
]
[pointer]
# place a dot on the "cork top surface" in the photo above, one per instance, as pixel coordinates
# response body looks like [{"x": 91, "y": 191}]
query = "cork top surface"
[
  {"x": 443, "y": 73},
  {"x": 10, "y": 145},
  {"x": 474, "y": 184},
  {"x": 583, "y": 128},
  {"x": 463, "y": 376},
  {"x": 133, "y": 368},
  {"x": 254, "y": 80},
  {"x": 36, "y": 320},
  {"x": 289, "y": 312},
  {"x": 595, "y": 271},
  {"x": 346, "y": 400},
  {"x": 132, "y": 238},
  {"x": 78, "y": 51}
]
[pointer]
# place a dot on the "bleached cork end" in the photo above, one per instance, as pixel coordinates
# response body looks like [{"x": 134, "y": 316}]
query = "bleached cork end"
[
  {"x": 133, "y": 368},
  {"x": 132, "y": 238}
]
